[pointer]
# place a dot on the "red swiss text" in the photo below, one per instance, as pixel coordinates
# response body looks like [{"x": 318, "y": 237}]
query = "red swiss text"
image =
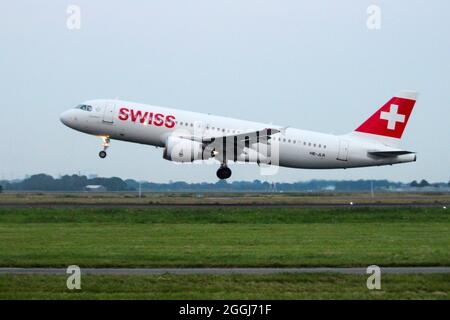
[{"x": 156, "y": 119}]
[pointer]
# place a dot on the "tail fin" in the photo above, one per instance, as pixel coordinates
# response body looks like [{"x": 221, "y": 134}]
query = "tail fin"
[{"x": 391, "y": 119}]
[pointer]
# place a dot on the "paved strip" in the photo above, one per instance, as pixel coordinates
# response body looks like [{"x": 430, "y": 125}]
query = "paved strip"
[
  {"x": 224, "y": 205},
  {"x": 159, "y": 271}
]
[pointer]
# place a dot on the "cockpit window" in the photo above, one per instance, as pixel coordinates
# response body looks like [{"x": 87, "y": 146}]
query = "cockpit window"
[{"x": 84, "y": 107}]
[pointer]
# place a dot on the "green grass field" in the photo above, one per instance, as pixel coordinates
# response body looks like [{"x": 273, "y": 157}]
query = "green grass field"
[
  {"x": 277, "y": 286},
  {"x": 224, "y": 198},
  {"x": 228, "y": 237}
]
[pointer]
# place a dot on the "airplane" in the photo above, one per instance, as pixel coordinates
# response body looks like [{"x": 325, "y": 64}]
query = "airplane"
[{"x": 189, "y": 136}]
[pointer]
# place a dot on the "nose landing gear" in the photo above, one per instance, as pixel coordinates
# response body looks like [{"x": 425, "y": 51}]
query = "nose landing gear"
[
  {"x": 106, "y": 142},
  {"x": 223, "y": 172}
]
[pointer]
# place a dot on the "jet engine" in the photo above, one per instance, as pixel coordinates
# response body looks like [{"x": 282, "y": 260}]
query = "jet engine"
[{"x": 183, "y": 150}]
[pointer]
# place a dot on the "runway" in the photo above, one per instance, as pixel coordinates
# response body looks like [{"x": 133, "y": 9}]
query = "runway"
[
  {"x": 224, "y": 205},
  {"x": 181, "y": 271}
]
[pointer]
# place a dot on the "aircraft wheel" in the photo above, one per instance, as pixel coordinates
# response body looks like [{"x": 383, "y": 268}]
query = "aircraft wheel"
[
  {"x": 102, "y": 154},
  {"x": 223, "y": 173}
]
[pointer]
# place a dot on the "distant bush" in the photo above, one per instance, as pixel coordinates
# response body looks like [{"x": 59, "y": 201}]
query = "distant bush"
[
  {"x": 424, "y": 183},
  {"x": 44, "y": 182}
]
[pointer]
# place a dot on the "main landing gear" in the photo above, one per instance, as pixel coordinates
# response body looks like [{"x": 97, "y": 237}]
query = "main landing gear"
[
  {"x": 102, "y": 154},
  {"x": 223, "y": 172}
]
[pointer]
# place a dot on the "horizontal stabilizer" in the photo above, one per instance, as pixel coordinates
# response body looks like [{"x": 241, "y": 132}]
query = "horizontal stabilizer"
[{"x": 388, "y": 154}]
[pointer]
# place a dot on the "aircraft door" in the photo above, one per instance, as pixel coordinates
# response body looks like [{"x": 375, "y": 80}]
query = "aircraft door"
[
  {"x": 343, "y": 150},
  {"x": 108, "y": 115}
]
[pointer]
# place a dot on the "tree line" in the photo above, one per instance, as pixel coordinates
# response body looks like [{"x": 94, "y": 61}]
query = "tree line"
[{"x": 44, "y": 182}]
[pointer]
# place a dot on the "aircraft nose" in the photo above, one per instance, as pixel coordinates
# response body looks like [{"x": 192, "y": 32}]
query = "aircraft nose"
[
  {"x": 68, "y": 118},
  {"x": 64, "y": 117}
]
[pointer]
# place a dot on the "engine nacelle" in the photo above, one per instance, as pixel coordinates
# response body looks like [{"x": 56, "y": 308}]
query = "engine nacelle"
[{"x": 184, "y": 150}]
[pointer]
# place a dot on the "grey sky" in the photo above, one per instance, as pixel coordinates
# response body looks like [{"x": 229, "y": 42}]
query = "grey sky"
[{"x": 307, "y": 64}]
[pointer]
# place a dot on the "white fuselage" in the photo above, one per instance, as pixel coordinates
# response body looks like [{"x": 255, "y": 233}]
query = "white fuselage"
[{"x": 297, "y": 148}]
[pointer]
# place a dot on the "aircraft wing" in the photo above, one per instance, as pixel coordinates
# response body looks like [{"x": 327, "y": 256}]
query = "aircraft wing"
[
  {"x": 231, "y": 146},
  {"x": 242, "y": 138}
]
